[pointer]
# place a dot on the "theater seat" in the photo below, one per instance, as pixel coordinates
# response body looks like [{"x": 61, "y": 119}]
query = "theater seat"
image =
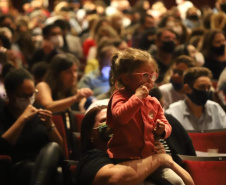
[
  {"x": 60, "y": 125},
  {"x": 209, "y": 139},
  {"x": 206, "y": 170}
]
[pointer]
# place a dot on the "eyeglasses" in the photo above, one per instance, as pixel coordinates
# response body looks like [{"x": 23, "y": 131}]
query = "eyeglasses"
[
  {"x": 27, "y": 96},
  {"x": 146, "y": 76}
]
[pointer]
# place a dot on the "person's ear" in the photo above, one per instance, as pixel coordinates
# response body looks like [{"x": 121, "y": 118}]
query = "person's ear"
[{"x": 187, "y": 89}]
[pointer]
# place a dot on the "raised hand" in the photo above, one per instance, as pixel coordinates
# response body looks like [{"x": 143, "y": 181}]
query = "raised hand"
[
  {"x": 142, "y": 92},
  {"x": 45, "y": 117},
  {"x": 29, "y": 112},
  {"x": 83, "y": 93}
]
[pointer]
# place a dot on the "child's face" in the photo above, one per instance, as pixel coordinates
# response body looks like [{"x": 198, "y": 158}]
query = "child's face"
[{"x": 140, "y": 76}]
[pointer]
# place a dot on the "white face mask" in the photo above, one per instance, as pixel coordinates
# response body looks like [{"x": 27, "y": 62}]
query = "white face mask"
[
  {"x": 57, "y": 41},
  {"x": 22, "y": 103},
  {"x": 199, "y": 59}
]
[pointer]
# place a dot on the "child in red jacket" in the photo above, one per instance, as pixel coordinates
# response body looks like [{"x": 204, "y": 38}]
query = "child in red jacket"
[{"x": 136, "y": 118}]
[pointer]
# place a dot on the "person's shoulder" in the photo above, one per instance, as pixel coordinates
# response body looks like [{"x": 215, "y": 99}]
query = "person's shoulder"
[
  {"x": 213, "y": 105},
  {"x": 165, "y": 87},
  {"x": 176, "y": 105},
  {"x": 42, "y": 85}
]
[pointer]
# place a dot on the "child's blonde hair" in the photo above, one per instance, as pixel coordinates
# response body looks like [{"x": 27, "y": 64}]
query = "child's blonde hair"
[{"x": 127, "y": 61}]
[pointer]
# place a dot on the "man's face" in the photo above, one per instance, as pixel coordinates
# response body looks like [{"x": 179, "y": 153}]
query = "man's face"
[
  {"x": 203, "y": 83},
  {"x": 168, "y": 36},
  {"x": 55, "y": 31},
  {"x": 178, "y": 71}
]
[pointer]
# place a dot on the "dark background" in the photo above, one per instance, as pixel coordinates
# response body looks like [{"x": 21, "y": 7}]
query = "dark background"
[{"x": 168, "y": 3}]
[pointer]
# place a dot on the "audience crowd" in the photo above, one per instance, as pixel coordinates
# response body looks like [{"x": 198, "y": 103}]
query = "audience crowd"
[{"x": 61, "y": 59}]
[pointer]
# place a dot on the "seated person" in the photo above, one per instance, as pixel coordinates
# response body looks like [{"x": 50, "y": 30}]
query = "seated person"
[
  {"x": 95, "y": 167},
  {"x": 173, "y": 91},
  {"x": 58, "y": 91},
  {"x": 197, "y": 112},
  {"x": 28, "y": 134},
  {"x": 98, "y": 80}
]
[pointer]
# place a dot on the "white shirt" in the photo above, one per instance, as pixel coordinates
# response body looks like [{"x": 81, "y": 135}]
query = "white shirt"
[
  {"x": 213, "y": 116},
  {"x": 170, "y": 95}
]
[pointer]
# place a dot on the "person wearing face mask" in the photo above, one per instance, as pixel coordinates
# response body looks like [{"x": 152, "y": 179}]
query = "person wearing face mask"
[
  {"x": 28, "y": 134},
  {"x": 51, "y": 45},
  {"x": 95, "y": 167},
  {"x": 213, "y": 49},
  {"x": 163, "y": 50},
  {"x": 197, "y": 111},
  {"x": 220, "y": 6},
  {"x": 173, "y": 91}
]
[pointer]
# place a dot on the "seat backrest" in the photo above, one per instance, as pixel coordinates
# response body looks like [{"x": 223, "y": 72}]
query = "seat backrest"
[
  {"x": 211, "y": 139},
  {"x": 78, "y": 117},
  {"x": 206, "y": 170},
  {"x": 59, "y": 122}
]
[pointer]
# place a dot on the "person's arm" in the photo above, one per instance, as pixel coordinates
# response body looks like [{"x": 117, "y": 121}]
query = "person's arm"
[
  {"x": 53, "y": 134},
  {"x": 44, "y": 97},
  {"x": 135, "y": 171},
  {"x": 12, "y": 134}
]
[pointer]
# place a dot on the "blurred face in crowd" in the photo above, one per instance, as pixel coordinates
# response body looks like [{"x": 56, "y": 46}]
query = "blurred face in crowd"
[
  {"x": 219, "y": 39},
  {"x": 177, "y": 76},
  {"x": 24, "y": 95},
  {"x": 167, "y": 42},
  {"x": 149, "y": 22},
  {"x": 69, "y": 77}
]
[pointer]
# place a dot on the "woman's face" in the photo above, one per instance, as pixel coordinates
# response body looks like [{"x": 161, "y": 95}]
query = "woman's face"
[
  {"x": 218, "y": 40},
  {"x": 100, "y": 118},
  {"x": 69, "y": 76},
  {"x": 24, "y": 95}
]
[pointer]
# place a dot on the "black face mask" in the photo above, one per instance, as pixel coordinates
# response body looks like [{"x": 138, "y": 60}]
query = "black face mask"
[
  {"x": 223, "y": 7},
  {"x": 219, "y": 51},
  {"x": 199, "y": 97},
  {"x": 193, "y": 17},
  {"x": 176, "y": 86},
  {"x": 168, "y": 46}
]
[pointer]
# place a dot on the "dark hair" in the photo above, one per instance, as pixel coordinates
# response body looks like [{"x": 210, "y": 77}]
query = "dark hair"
[
  {"x": 39, "y": 70},
  {"x": 155, "y": 92},
  {"x": 3, "y": 17},
  {"x": 207, "y": 41},
  {"x": 59, "y": 63},
  {"x": 193, "y": 73},
  {"x": 88, "y": 123},
  {"x": 160, "y": 31},
  {"x": 189, "y": 61},
  {"x": 63, "y": 24},
  {"x": 15, "y": 78},
  {"x": 47, "y": 30}
]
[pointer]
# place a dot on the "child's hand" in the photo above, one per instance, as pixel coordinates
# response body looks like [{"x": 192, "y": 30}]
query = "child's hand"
[
  {"x": 142, "y": 92},
  {"x": 159, "y": 128}
]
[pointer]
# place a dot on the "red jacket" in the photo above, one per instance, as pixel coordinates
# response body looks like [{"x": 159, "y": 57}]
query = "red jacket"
[{"x": 132, "y": 121}]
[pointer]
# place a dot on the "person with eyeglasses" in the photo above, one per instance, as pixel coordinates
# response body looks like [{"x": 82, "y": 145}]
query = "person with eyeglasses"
[
  {"x": 173, "y": 90},
  {"x": 137, "y": 119},
  {"x": 28, "y": 134}
]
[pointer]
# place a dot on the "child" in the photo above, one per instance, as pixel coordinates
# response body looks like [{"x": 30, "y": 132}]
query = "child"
[{"x": 136, "y": 118}]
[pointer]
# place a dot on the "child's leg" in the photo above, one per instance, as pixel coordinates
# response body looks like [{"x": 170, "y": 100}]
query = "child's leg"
[{"x": 166, "y": 176}]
